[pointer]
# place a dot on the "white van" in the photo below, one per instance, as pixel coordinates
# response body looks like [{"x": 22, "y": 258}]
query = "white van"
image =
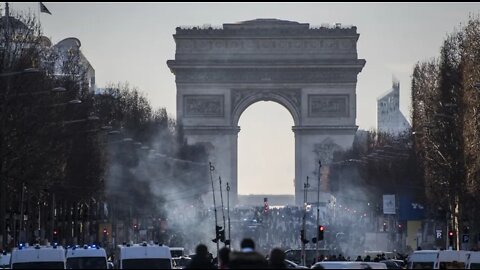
[
  {"x": 5, "y": 260},
  {"x": 437, "y": 259},
  {"x": 38, "y": 257},
  {"x": 349, "y": 265},
  {"x": 452, "y": 259},
  {"x": 473, "y": 260},
  {"x": 143, "y": 256},
  {"x": 177, "y": 252},
  {"x": 423, "y": 259},
  {"x": 86, "y": 257}
]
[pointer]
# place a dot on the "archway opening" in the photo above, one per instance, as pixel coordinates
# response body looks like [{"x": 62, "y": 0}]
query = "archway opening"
[{"x": 266, "y": 150}]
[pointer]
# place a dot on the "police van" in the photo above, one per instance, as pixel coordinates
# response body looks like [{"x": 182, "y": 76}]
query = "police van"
[
  {"x": 473, "y": 260},
  {"x": 438, "y": 259},
  {"x": 5, "y": 260},
  {"x": 143, "y": 256},
  {"x": 86, "y": 257},
  {"x": 452, "y": 259},
  {"x": 38, "y": 257},
  {"x": 177, "y": 252}
]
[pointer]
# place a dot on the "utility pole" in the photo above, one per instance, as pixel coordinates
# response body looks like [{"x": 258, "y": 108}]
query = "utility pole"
[
  {"x": 53, "y": 219},
  {"x": 302, "y": 234},
  {"x": 228, "y": 214},
  {"x": 20, "y": 238},
  {"x": 3, "y": 184},
  {"x": 223, "y": 208},
  {"x": 318, "y": 209},
  {"x": 214, "y": 206}
]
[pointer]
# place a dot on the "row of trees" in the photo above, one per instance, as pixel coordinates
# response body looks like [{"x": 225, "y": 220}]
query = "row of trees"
[
  {"x": 377, "y": 164},
  {"x": 40, "y": 125},
  {"x": 72, "y": 159},
  {"x": 380, "y": 163},
  {"x": 446, "y": 124}
]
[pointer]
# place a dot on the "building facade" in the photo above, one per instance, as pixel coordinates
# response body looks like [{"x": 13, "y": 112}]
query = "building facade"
[{"x": 389, "y": 117}]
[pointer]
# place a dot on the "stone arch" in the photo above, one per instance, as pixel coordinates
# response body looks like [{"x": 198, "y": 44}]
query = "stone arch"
[
  {"x": 265, "y": 95},
  {"x": 312, "y": 72}
]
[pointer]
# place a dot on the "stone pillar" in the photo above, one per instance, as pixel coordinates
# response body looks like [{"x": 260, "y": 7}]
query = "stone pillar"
[
  {"x": 311, "y": 145},
  {"x": 221, "y": 143}
]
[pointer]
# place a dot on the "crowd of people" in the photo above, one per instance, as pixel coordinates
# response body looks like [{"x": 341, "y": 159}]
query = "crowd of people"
[
  {"x": 249, "y": 258},
  {"x": 277, "y": 227},
  {"x": 245, "y": 258}
]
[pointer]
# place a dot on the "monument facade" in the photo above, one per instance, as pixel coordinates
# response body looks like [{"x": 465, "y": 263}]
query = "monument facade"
[{"x": 312, "y": 72}]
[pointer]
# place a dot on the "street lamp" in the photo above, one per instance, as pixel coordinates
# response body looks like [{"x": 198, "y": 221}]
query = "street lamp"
[
  {"x": 318, "y": 208},
  {"x": 75, "y": 101},
  {"x": 306, "y": 186},
  {"x": 113, "y": 132},
  {"x": 93, "y": 118},
  {"x": 59, "y": 89},
  {"x": 13, "y": 73}
]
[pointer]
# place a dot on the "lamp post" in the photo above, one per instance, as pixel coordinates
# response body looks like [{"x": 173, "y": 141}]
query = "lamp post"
[
  {"x": 302, "y": 233},
  {"x": 318, "y": 209},
  {"x": 228, "y": 214}
]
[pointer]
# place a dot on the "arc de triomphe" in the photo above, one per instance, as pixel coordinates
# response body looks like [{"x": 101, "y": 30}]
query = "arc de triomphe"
[{"x": 312, "y": 72}]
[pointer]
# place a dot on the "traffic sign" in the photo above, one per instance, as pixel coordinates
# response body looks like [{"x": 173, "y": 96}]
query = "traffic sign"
[{"x": 465, "y": 238}]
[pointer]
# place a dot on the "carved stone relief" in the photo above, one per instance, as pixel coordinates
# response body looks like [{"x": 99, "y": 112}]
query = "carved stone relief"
[
  {"x": 324, "y": 152},
  {"x": 203, "y": 105},
  {"x": 328, "y": 106},
  {"x": 248, "y": 76},
  {"x": 292, "y": 95},
  {"x": 269, "y": 46}
]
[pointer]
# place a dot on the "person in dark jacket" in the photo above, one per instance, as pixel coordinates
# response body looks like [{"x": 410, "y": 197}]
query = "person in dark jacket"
[
  {"x": 277, "y": 259},
  {"x": 247, "y": 257},
  {"x": 201, "y": 259},
  {"x": 224, "y": 258}
]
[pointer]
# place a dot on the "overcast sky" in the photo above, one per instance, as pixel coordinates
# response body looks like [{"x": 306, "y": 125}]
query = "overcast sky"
[{"x": 132, "y": 42}]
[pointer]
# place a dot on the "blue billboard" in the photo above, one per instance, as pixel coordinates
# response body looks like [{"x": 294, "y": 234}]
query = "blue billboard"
[{"x": 409, "y": 209}]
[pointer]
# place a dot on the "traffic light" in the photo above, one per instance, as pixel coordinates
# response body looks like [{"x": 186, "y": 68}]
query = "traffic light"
[
  {"x": 55, "y": 235},
  {"x": 321, "y": 230},
  {"x": 105, "y": 233},
  {"x": 450, "y": 238}
]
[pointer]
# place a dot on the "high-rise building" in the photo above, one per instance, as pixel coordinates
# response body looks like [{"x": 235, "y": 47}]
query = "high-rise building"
[{"x": 389, "y": 117}]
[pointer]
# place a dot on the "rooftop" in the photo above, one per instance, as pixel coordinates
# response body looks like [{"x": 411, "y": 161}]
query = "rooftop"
[{"x": 268, "y": 25}]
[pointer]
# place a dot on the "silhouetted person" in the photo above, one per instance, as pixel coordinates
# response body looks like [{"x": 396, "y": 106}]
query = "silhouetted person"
[
  {"x": 367, "y": 259},
  {"x": 359, "y": 259},
  {"x": 201, "y": 259},
  {"x": 224, "y": 258},
  {"x": 247, "y": 257},
  {"x": 277, "y": 259}
]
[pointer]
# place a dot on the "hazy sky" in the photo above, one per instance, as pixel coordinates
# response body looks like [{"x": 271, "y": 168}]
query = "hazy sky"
[{"x": 132, "y": 42}]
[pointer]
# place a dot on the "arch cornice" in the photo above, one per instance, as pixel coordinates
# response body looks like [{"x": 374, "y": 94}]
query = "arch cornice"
[{"x": 290, "y": 98}]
